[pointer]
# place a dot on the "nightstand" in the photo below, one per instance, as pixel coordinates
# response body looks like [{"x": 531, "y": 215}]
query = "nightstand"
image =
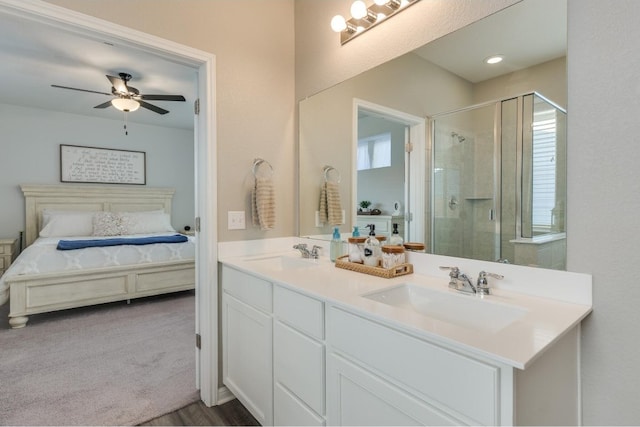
[{"x": 8, "y": 252}]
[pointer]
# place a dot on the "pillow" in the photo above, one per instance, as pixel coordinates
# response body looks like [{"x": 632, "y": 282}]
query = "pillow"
[
  {"x": 66, "y": 223},
  {"x": 145, "y": 222},
  {"x": 107, "y": 224}
]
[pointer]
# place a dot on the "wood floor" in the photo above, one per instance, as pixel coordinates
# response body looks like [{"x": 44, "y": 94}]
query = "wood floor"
[{"x": 198, "y": 414}]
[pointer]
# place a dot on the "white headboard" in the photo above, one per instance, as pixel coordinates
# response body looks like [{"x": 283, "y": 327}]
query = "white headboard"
[{"x": 85, "y": 197}]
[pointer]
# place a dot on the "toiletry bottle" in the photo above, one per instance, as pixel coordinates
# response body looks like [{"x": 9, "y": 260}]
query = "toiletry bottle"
[
  {"x": 372, "y": 248},
  {"x": 335, "y": 250},
  {"x": 396, "y": 239},
  {"x": 356, "y": 232}
]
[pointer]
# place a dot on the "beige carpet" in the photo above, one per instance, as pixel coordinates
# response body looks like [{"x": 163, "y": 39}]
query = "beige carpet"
[{"x": 113, "y": 364}]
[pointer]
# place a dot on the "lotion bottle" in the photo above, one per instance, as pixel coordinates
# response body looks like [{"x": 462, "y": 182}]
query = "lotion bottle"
[
  {"x": 335, "y": 250},
  {"x": 396, "y": 239}
]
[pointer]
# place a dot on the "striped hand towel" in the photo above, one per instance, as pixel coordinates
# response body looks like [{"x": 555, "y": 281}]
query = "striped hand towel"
[
  {"x": 263, "y": 204},
  {"x": 330, "y": 206}
]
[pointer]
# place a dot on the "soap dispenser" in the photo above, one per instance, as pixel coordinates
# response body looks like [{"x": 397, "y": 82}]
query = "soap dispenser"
[
  {"x": 356, "y": 232},
  {"x": 396, "y": 239},
  {"x": 372, "y": 248},
  {"x": 335, "y": 250}
]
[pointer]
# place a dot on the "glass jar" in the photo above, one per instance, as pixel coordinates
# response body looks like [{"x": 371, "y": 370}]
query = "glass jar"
[
  {"x": 372, "y": 252},
  {"x": 392, "y": 255},
  {"x": 356, "y": 249}
]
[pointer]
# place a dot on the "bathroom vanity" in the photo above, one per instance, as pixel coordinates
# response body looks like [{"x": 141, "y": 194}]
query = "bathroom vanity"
[{"x": 305, "y": 343}]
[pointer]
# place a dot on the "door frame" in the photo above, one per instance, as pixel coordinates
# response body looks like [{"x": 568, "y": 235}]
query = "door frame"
[
  {"x": 415, "y": 164},
  {"x": 205, "y": 145}
]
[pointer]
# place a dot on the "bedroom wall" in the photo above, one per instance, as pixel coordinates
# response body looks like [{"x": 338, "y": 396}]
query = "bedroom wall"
[
  {"x": 253, "y": 41},
  {"x": 31, "y": 141}
]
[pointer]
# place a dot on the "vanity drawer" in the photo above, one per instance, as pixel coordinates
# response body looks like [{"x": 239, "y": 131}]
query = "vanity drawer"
[
  {"x": 299, "y": 365},
  {"x": 463, "y": 384},
  {"x": 300, "y": 311},
  {"x": 248, "y": 289}
]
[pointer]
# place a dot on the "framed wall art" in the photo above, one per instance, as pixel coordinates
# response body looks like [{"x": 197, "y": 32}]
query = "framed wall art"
[{"x": 102, "y": 165}]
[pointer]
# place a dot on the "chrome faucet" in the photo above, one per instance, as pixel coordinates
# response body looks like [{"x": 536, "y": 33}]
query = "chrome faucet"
[
  {"x": 482, "y": 285},
  {"x": 306, "y": 253},
  {"x": 461, "y": 282}
]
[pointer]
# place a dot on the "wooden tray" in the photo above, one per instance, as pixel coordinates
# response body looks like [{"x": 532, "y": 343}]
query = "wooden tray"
[{"x": 387, "y": 273}]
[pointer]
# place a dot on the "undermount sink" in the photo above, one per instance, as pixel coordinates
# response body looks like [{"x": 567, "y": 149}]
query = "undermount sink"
[
  {"x": 284, "y": 262},
  {"x": 462, "y": 310}
]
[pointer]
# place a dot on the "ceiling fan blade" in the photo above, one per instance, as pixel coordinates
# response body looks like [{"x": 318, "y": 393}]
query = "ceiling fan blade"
[
  {"x": 163, "y": 97},
  {"x": 153, "y": 108},
  {"x": 118, "y": 84},
  {"x": 81, "y": 90},
  {"x": 103, "y": 105}
]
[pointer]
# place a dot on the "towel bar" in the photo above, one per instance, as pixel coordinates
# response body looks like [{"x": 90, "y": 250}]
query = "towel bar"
[
  {"x": 256, "y": 164},
  {"x": 327, "y": 170}
]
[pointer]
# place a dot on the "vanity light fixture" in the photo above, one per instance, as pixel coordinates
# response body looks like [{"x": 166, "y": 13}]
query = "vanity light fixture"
[
  {"x": 125, "y": 104},
  {"x": 364, "y": 18},
  {"x": 494, "y": 59}
]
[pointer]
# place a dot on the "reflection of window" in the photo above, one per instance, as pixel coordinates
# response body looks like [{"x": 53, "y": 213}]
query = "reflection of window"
[
  {"x": 374, "y": 152},
  {"x": 544, "y": 170}
]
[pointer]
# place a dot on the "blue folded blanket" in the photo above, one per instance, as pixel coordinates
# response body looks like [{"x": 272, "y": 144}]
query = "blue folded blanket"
[{"x": 66, "y": 245}]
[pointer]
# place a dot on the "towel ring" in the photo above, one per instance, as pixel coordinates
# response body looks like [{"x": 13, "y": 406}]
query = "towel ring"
[
  {"x": 327, "y": 171},
  {"x": 256, "y": 166}
]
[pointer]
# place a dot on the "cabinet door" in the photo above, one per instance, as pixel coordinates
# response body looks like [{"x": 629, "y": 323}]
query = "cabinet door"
[
  {"x": 247, "y": 357},
  {"x": 356, "y": 396},
  {"x": 299, "y": 365},
  {"x": 289, "y": 410}
]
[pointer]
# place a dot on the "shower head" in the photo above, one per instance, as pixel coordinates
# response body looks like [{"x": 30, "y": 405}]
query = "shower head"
[{"x": 460, "y": 137}]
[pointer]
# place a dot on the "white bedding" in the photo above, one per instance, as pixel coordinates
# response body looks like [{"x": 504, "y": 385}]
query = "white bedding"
[{"x": 43, "y": 257}]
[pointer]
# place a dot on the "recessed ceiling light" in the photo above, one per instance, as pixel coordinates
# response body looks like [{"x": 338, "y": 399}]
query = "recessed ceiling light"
[{"x": 494, "y": 59}]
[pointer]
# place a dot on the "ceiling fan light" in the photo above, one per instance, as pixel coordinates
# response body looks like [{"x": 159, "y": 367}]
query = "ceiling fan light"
[{"x": 125, "y": 104}]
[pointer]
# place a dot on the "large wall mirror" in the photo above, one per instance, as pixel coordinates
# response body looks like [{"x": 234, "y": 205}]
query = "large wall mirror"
[{"x": 464, "y": 156}]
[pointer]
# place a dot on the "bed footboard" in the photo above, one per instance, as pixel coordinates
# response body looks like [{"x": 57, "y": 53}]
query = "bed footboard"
[{"x": 51, "y": 292}]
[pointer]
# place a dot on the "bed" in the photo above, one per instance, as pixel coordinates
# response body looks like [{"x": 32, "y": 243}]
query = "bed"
[{"x": 89, "y": 278}]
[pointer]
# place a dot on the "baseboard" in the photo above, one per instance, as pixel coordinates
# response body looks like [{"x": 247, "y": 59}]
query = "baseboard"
[{"x": 224, "y": 395}]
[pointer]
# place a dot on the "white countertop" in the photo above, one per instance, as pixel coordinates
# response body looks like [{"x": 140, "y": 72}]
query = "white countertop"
[{"x": 518, "y": 344}]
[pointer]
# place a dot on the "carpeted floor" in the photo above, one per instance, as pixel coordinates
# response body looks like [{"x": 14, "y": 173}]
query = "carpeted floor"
[{"x": 113, "y": 364}]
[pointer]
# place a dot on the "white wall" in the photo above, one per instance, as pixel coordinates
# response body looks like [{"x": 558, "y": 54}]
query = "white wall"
[
  {"x": 30, "y": 154},
  {"x": 604, "y": 200}
]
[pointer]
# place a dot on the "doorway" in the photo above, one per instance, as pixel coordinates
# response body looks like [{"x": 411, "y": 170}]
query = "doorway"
[
  {"x": 205, "y": 160},
  {"x": 406, "y": 187}
]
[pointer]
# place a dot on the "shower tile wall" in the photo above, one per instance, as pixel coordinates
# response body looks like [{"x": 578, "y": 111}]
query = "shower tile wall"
[{"x": 464, "y": 186}]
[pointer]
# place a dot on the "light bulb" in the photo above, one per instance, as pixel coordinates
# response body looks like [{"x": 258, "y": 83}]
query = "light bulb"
[
  {"x": 494, "y": 59},
  {"x": 125, "y": 104},
  {"x": 358, "y": 9},
  {"x": 381, "y": 2},
  {"x": 338, "y": 23}
]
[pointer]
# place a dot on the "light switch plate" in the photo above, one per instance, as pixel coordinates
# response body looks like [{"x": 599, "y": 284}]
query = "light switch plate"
[{"x": 236, "y": 220}]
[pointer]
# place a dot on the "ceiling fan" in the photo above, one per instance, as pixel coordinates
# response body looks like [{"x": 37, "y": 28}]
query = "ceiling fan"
[{"x": 128, "y": 98}]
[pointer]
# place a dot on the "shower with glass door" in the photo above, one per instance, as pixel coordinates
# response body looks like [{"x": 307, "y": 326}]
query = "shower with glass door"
[{"x": 498, "y": 187}]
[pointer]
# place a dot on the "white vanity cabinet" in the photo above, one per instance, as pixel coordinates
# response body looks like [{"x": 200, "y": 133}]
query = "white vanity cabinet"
[
  {"x": 298, "y": 359},
  {"x": 383, "y": 223},
  {"x": 302, "y": 349},
  {"x": 371, "y": 382},
  {"x": 379, "y": 375},
  {"x": 247, "y": 337}
]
